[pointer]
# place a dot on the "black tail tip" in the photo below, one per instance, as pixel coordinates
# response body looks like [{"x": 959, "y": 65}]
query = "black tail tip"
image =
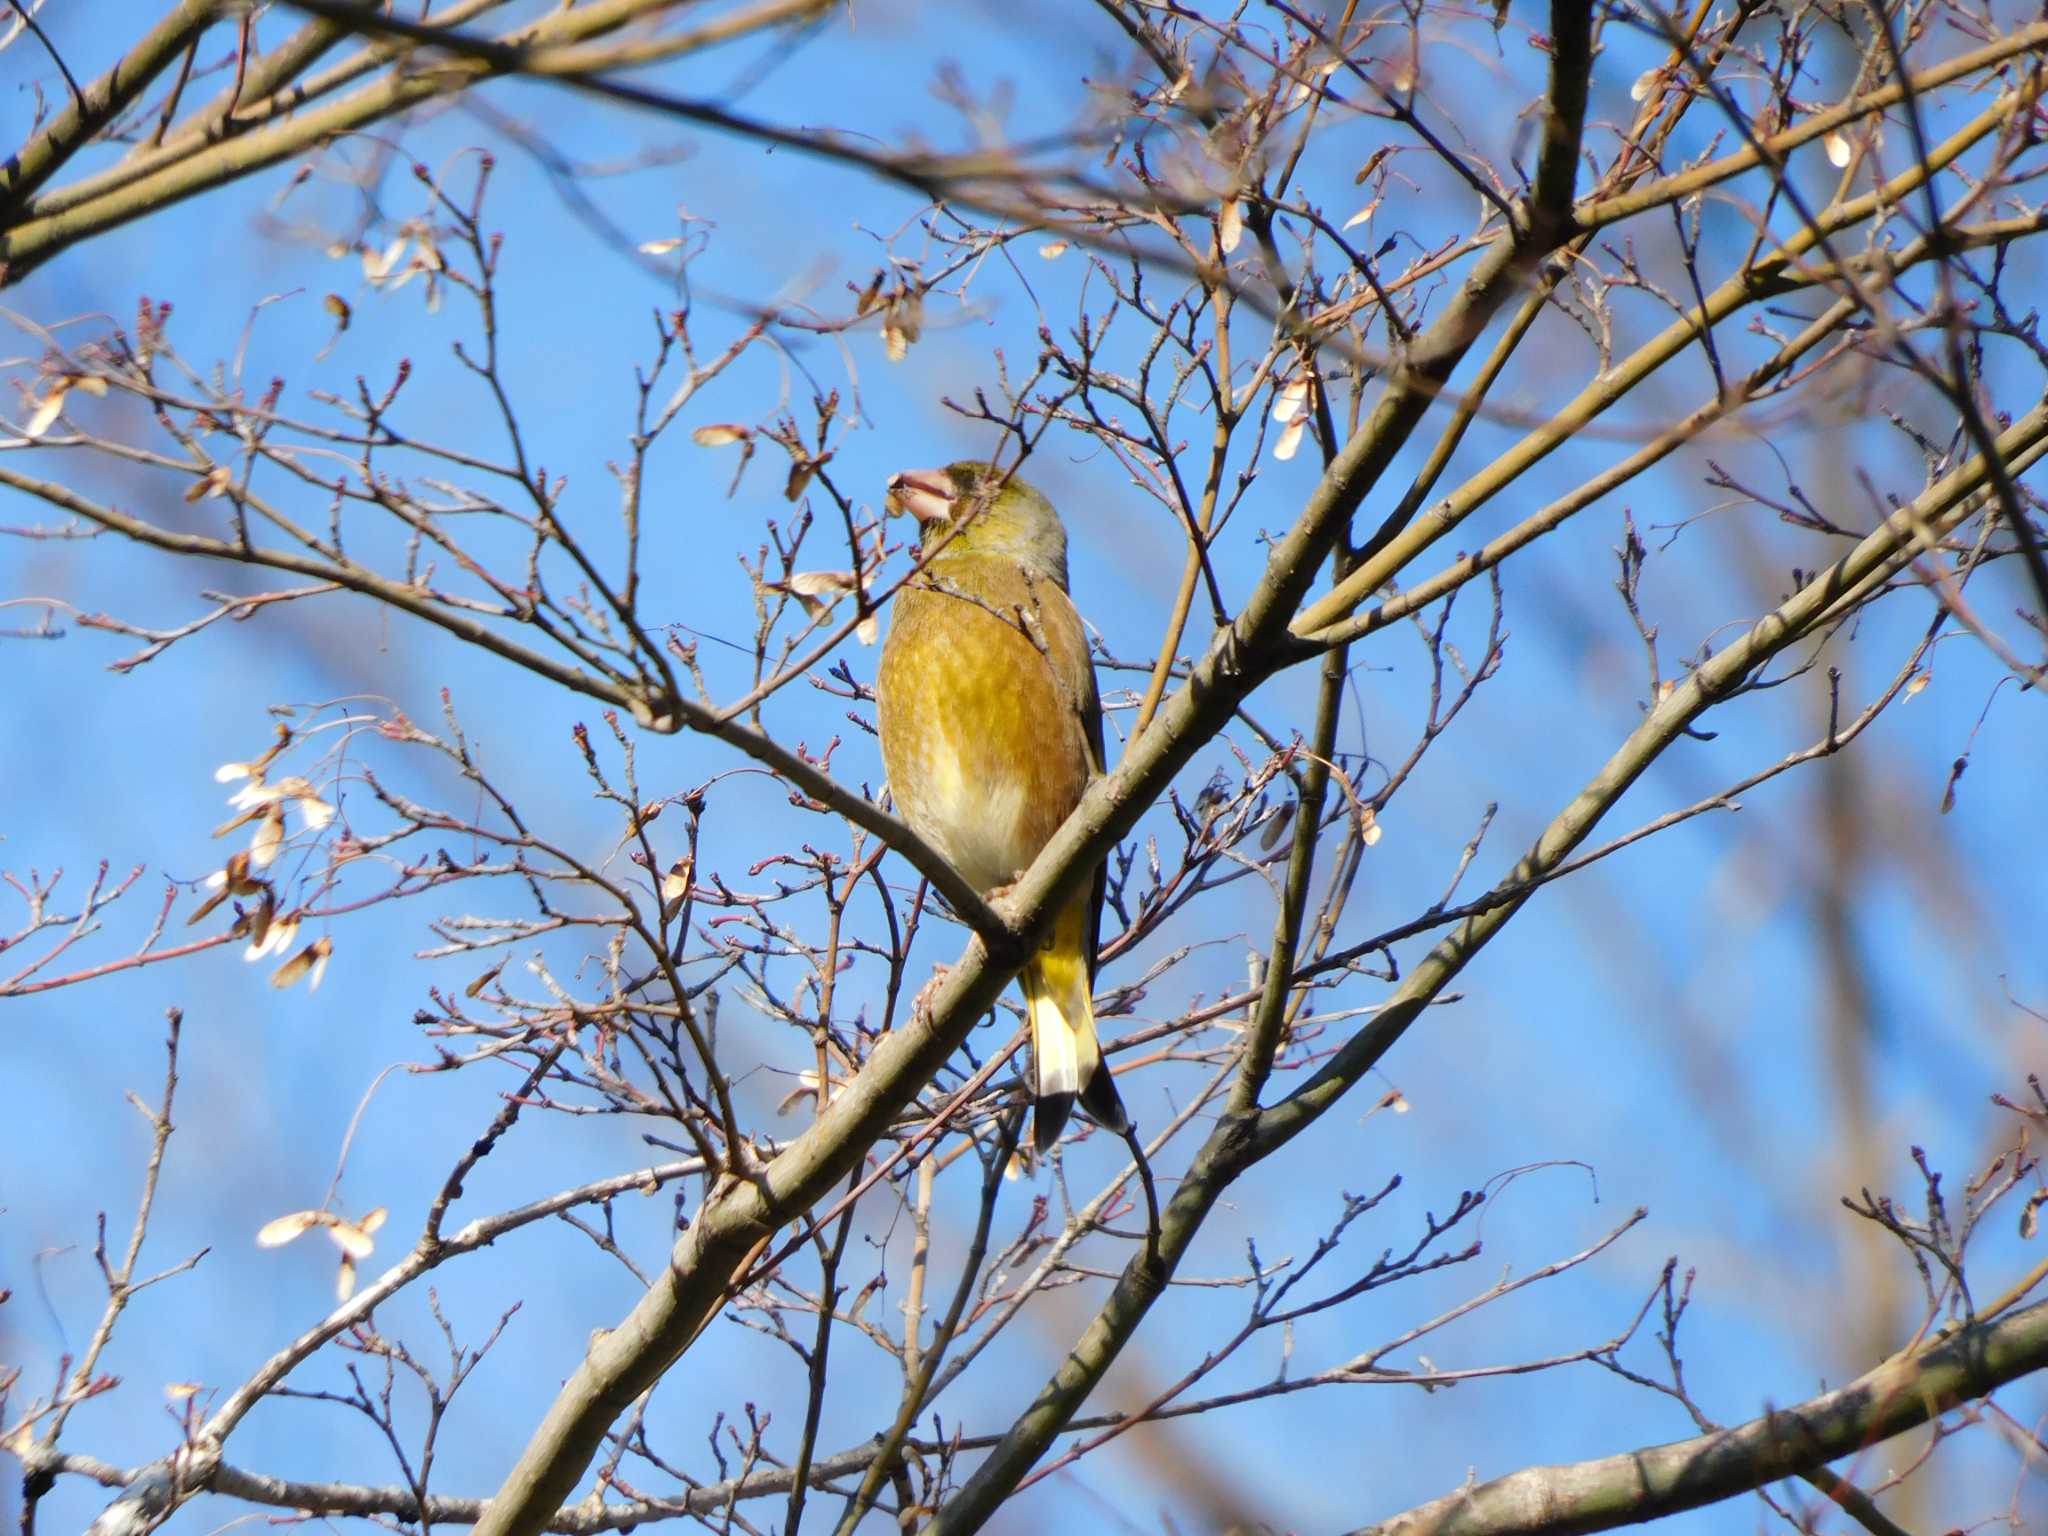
[
  {"x": 1049, "y": 1116},
  {"x": 1099, "y": 1098}
]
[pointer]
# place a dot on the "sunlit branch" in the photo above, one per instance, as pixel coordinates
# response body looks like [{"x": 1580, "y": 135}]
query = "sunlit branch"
[{"x": 1646, "y": 1484}]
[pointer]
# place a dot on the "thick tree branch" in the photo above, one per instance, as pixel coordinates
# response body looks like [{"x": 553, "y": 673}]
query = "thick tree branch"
[
  {"x": 540, "y": 48},
  {"x": 1904, "y": 1392},
  {"x": 271, "y": 87},
  {"x": 45, "y": 154}
]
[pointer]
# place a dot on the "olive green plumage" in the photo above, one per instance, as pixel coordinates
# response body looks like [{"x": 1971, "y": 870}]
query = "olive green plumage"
[{"x": 991, "y": 730}]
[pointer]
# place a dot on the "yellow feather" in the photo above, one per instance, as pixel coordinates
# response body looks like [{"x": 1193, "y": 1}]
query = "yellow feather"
[{"x": 1064, "y": 1048}]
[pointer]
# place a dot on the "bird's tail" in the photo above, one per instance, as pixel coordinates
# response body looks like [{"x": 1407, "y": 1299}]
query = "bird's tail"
[{"x": 1063, "y": 1045}]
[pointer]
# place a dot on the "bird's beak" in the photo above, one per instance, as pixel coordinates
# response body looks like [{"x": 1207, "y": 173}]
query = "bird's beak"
[{"x": 926, "y": 494}]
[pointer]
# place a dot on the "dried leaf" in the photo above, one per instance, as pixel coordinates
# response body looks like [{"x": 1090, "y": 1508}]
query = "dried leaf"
[
  {"x": 476, "y": 988},
  {"x": 269, "y": 839},
  {"x": 794, "y": 1097},
  {"x": 1919, "y": 683},
  {"x": 377, "y": 265},
  {"x": 822, "y": 583},
  {"x": 1303, "y": 89},
  {"x": 274, "y": 1234},
  {"x": 661, "y": 247},
  {"x": 1839, "y": 151},
  {"x": 1290, "y": 439},
  {"x": 322, "y": 950},
  {"x": 276, "y": 938},
  {"x": 209, "y": 904},
  {"x": 902, "y": 324},
  {"x": 808, "y": 1079},
  {"x": 257, "y": 922},
  {"x": 719, "y": 434},
  {"x": 213, "y": 483},
  {"x": 1277, "y": 828},
  {"x": 1646, "y": 82},
  {"x": 1372, "y": 163},
  {"x": 314, "y": 812},
  {"x": 1052, "y": 250},
  {"x": 675, "y": 885},
  {"x": 1229, "y": 225},
  {"x": 51, "y": 407},
  {"x": 353, "y": 1238},
  {"x": 1948, "y": 794},
  {"x": 337, "y": 306},
  {"x": 411, "y": 270},
  {"x": 308, "y": 961},
  {"x": 238, "y": 821},
  {"x": 345, "y": 1279},
  {"x": 255, "y": 795}
]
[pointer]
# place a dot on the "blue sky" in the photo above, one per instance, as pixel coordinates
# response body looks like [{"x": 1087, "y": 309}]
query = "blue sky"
[{"x": 1660, "y": 1020}]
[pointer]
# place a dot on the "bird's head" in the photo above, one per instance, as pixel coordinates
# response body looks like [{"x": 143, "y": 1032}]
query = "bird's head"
[{"x": 974, "y": 510}]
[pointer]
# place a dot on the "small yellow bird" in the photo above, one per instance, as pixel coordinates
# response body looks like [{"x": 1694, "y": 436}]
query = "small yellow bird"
[{"x": 991, "y": 730}]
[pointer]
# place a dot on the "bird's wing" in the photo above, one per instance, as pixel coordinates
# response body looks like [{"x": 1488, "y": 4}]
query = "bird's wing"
[
  {"x": 1067, "y": 652},
  {"x": 1091, "y": 731}
]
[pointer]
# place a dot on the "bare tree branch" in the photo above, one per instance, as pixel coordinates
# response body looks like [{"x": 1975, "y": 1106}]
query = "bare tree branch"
[{"x": 1600, "y": 1495}]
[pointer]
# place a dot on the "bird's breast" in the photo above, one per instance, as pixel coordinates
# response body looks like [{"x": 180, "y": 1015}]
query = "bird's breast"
[{"x": 984, "y": 756}]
